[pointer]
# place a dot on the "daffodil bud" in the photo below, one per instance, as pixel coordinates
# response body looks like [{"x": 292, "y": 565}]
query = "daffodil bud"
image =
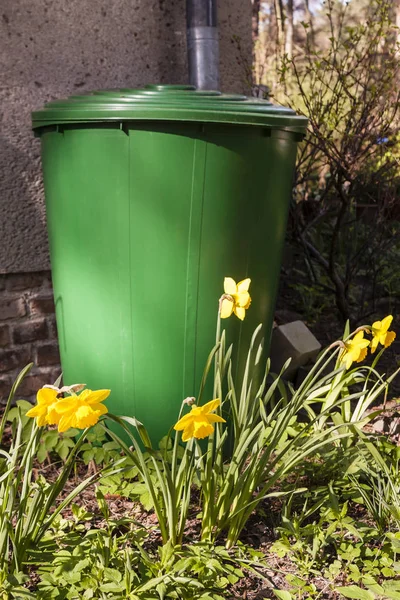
[{"x": 189, "y": 400}]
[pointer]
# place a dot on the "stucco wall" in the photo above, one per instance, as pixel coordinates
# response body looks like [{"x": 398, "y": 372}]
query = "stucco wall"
[{"x": 52, "y": 48}]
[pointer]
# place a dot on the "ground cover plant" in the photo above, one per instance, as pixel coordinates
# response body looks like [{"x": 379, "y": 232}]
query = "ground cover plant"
[{"x": 299, "y": 462}]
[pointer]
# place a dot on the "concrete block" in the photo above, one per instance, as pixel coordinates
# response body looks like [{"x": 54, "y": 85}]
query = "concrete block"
[{"x": 292, "y": 340}]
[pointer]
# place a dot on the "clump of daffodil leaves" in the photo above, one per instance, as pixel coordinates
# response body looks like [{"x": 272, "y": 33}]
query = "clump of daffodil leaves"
[
  {"x": 30, "y": 505},
  {"x": 199, "y": 422},
  {"x": 248, "y": 420}
]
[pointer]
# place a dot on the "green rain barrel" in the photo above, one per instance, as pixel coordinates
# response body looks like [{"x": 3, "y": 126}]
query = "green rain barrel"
[{"x": 153, "y": 196}]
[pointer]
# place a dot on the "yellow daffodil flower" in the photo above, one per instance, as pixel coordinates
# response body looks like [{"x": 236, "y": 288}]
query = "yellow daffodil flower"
[
  {"x": 46, "y": 400},
  {"x": 74, "y": 411},
  {"x": 81, "y": 411},
  {"x": 198, "y": 423},
  {"x": 380, "y": 333},
  {"x": 355, "y": 350},
  {"x": 236, "y": 298}
]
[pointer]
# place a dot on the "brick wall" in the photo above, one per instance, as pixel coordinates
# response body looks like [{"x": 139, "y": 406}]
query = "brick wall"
[{"x": 27, "y": 332}]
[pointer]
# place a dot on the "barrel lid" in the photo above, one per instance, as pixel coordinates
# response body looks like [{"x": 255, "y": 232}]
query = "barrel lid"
[{"x": 167, "y": 103}]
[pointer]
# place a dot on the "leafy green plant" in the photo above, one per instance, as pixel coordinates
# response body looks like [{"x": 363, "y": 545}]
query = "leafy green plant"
[
  {"x": 265, "y": 440},
  {"x": 328, "y": 388},
  {"x": 50, "y": 441},
  {"x": 312, "y": 544},
  {"x": 379, "y": 484},
  {"x": 98, "y": 568},
  {"x": 322, "y": 537},
  {"x": 28, "y": 505},
  {"x": 131, "y": 484},
  {"x": 167, "y": 478},
  {"x": 266, "y": 444},
  {"x": 298, "y": 588},
  {"x": 113, "y": 562},
  {"x": 99, "y": 448},
  {"x": 263, "y": 453},
  {"x": 229, "y": 491},
  {"x": 372, "y": 590},
  {"x": 335, "y": 544}
]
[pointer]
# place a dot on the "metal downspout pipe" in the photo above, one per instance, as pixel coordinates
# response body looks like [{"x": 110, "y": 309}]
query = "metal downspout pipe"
[{"x": 202, "y": 44}]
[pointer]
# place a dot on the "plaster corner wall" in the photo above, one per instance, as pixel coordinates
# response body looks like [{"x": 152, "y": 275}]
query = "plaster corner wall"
[
  {"x": 51, "y": 49},
  {"x": 235, "y": 45}
]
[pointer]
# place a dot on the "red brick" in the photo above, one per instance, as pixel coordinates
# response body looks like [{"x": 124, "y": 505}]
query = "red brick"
[
  {"x": 30, "y": 331},
  {"x": 11, "y": 308},
  {"x": 4, "y": 335},
  {"x": 5, "y": 389},
  {"x": 47, "y": 355},
  {"x": 18, "y": 282},
  {"x": 32, "y": 383},
  {"x": 54, "y": 374},
  {"x": 52, "y": 328},
  {"x": 13, "y": 359},
  {"x": 42, "y": 305}
]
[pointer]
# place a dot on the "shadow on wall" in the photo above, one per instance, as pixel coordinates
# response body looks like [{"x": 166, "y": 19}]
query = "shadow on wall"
[{"x": 22, "y": 222}]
